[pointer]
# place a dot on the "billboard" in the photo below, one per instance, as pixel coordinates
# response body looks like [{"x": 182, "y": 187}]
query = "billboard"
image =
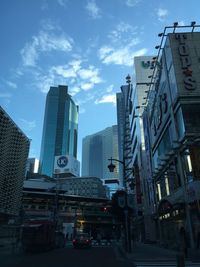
[
  {"x": 143, "y": 68},
  {"x": 66, "y": 164},
  {"x": 185, "y": 49}
]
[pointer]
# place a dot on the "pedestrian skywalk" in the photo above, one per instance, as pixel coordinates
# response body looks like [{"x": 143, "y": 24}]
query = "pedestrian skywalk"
[{"x": 165, "y": 264}]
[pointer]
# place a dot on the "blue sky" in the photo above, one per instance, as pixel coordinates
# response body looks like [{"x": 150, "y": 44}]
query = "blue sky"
[{"x": 88, "y": 45}]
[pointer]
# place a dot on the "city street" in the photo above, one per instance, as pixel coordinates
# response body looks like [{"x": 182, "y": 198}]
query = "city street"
[{"x": 67, "y": 257}]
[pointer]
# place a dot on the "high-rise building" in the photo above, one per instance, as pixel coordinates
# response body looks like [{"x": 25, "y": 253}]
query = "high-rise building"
[
  {"x": 96, "y": 150},
  {"x": 60, "y": 129},
  {"x": 14, "y": 148},
  {"x": 144, "y": 195},
  {"x": 123, "y": 124},
  {"x": 32, "y": 167}
]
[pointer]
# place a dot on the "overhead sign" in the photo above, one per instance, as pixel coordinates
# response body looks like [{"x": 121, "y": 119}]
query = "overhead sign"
[
  {"x": 144, "y": 66},
  {"x": 66, "y": 164},
  {"x": 62, "y": 161},
  {"x": 184, "y": 47}
]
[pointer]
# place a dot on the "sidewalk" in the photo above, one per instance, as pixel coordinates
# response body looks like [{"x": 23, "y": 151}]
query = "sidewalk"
[
  {"x": 153, "y": 252},
  {"x": 9, "y": 246}
]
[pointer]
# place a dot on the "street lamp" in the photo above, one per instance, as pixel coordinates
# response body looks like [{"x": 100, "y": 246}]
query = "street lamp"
[{"x": 123, "y": 201}]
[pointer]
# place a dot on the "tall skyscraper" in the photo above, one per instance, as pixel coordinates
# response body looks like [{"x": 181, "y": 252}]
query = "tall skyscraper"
[
  {"x": 60, "y": 129},
  {"x": 96, "y": 151},
  {"x": 32, "y": 167},
  {"x": 14, "y": 148}
]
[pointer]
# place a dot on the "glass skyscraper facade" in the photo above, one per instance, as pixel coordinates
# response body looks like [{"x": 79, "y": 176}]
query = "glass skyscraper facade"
[
  {"x": 60, "y": 129},
  {"x": 96, "y": 151}
]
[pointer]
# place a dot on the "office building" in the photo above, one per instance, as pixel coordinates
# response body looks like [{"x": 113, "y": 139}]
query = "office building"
[
  {"x": 32, "y": 167},
  {"x": 96, "y": 150},
  {"x": 60, "y": 129},
  {"x": 141, "y": 156},
  {"x": 14, "y": 149}
]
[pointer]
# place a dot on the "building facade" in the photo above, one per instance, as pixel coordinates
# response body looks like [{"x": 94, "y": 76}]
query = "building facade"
[
  {"x": 174, "y": 127},
  {"x": 71, "y": 186},
  {"x": 32, "y": 167},
  {"x": 141, "y": 160},
  {"x": 60, "y": 129},
  {"x": 14, "y": 149},
  {"x": 96, "y": 151}
]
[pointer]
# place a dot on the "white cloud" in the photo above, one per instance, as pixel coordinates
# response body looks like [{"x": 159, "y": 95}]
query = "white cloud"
[
  {"x": 74, "y": 90},
  {"x": 11, "y": 84},
  {"x": 121, "y": 50},
  {"x": 107, "y": 99},
  {"x": 109, "y": 88},
  {"x": 124, "y": 32},
  {"x": 27, "y": 125},
  {"x": 93, "y": 9},
  {"x": 81, "y": 78},
  {"x": 76, "y": 64},
  {"x": 91, "y": 74},
  {"x": 132, "y": 3},
  {"x": 44, "y": 42},
  {"x": 62, "y": 2},
  {"x": 121, "y": 56},
  {"x": 5, "y": 95},
  {"x": 87, "y": 86},
  {"x": 64, "y": 71},
  {"x": 162, "y": 14}
]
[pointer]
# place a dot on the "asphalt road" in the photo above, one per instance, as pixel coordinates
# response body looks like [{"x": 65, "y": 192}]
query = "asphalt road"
[{"x": 68, "y": 257}]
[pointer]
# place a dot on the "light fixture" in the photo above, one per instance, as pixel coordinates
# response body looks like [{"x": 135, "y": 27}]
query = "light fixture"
[
  {"x": 157, "y": 47},
  {"x": 111, "y": 167},
  {"x": 160, "y": 34},
  {"x": 175, "y": 25},
  {"x": 137, "y": 107},
  {"x": 193, "y": 25}
]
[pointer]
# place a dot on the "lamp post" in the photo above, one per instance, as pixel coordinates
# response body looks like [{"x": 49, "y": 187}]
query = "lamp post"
[{"x": 123, "y": 201}]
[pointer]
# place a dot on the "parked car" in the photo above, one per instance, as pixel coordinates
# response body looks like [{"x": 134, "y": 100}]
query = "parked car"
[{"x": 82, "y": 240}]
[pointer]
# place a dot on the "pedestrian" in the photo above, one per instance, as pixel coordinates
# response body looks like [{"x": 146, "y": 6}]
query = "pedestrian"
[
  {"x": 67, "y": 236},
  {"x": 183, "y": 241}
]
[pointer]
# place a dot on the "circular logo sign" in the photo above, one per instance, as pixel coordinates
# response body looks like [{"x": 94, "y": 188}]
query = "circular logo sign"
[{"x": 62, "y": 161}]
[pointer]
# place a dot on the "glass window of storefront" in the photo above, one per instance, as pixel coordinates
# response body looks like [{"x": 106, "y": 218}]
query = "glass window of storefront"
[
  {"x": 173, "y": 83},
  {"x": 180, "y": 123}
]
